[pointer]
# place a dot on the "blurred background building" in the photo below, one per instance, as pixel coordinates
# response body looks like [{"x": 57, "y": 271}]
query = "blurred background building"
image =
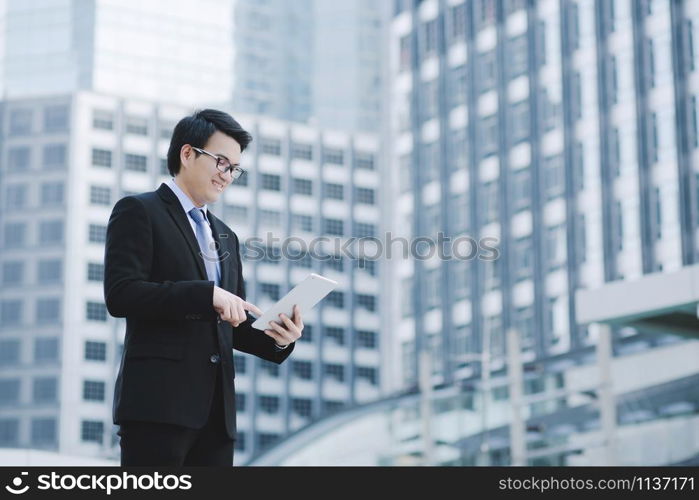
[
  {"x": 92, "y": 91},
  {"x": 565, "y": 129}
]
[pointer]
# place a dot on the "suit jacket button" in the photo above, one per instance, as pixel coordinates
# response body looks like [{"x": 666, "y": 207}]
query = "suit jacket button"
[{"x": 215, "y": 358}]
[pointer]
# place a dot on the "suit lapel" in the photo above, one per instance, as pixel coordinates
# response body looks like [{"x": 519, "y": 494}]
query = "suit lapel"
[{"x": 181, "y": 219}]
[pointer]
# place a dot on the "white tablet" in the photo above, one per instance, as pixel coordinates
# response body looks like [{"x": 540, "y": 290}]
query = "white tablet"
[{"x": 306, "y": 294}]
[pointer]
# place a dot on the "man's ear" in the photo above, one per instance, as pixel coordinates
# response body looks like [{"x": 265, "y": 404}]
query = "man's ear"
[{"x": 186, "y": 155}]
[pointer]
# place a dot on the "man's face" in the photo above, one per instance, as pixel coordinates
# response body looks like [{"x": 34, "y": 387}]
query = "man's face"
[{"x": 199, "y": 177}]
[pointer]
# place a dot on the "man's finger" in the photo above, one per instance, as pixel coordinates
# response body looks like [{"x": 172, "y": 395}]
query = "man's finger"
[{"x": 252, "y": 308}]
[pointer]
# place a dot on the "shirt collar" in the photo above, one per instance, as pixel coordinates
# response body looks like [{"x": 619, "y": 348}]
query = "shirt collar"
[{"x": 185, "y": 201}]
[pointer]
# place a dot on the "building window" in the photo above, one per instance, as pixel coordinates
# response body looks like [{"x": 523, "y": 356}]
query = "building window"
[
  {"x": 334, "y": 191},
  {"x": 96, "y": 311},
  {"x": 45, "y": 390},
  {"x": 164, "y": 169},
  {"x": 489, "y": 136},
  {"x": 43, "y": 431},
  {"x": 334, "y": 371},
  {"x": 269, "y": 404},
  {"x": 517, "y": 54},
  {"x": 270, "y": 290},
  {"x": 97, "y": 233},
  {"x": 48, "y": 310},
  {"x": 270, "y": 146},
  {"x": 364, "y": 161},
  {"x": 459, "y": 213},
  {"x": 95, "y": 271},
  {"x": 18, "y": 158},
  {"x": 335, "y": 334},
  {"x": 336, "y": 263},
  {"x": 269, "y": 368},
  {"x": 367, "y": 302},
  {"x": 429, "y": 38},
  {"x": 52, "y": 194},
  {"x": 54, "y": 157},
  {"x": 302, "y": 222},
  {"x": 93, "y": 390},
  {"x": 136, "y": 125},
  {"x": 432, "y": 297},
  {"x": 91, "y": 431},
  {"x": 16, "y": 197},
  {"x": 10, "y": 312},
  {"x": 12, "y": 272},
  {"x": 333, "y": 227},
  {"x": 430, "y": 99},
  {"x": 56, "y": 118},
  {"x": 9, "y": 391},
  {"x": 460, "y": 273},
  {"x": 521, "y": 189},
  {"x": 9, "y": 432},
  {"x": 239, "y": 443},
  {"x": 459, "y": 80},
  {"x": 302, "y": 369},
  {"x": 51, "y": 232},
  {"x": 238, "y": 213},
  {"x": 369, "y": 374},
  {"x": 46, "y": 349},
  {"x": 302, "y": 406},
  {"x": 556, "y": 246},
  {"x": 15, "y": 234},
  {"x": 404, "y": 54},
  {"x": 333, "y": 156},
  {"x": 457, "y": 22},
  {"x": 368, "y": 266},
  {"x": 303, "y": 187},
  {"x": 489, "y": 202},
  {"x": 270, "y": 218},
  {"x": 365, "y": 195},
  {"x": 100, "y": 195},
  {"x": 302, "y": 151},
  {"x": 366, "y": 338},
  {"x": 271, "y": 182},
  {"x": 307, "y": 335},
  {"x": 136, "y": 163},
  {"x": 9, "y": 352},
  {"x": 21, "y": 121},
  {"x": 240, "y": 401},
  {"x": 554, "y": 180},
  {"x": 95, "y": 351},
  {"x": 335, "y": 299},
  {"x": 50, "y": 271},
  {"x": 240, "y": 363},
  {"x": 486, "y": 63},
  {"x": 266, "y": 439},
  {"x": 520, "y": 121},
  {"x": 102, "y": 119},
  {"x": 523, "y": 259},
  {"x": 364, "y": 230},
  {"x": 101, "y": 158}
]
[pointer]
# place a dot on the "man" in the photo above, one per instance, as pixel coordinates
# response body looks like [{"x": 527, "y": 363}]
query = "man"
[{"x": 173, "y": 270}]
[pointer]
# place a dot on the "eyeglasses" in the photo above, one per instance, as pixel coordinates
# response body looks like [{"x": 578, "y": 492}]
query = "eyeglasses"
[{"x": 222, "y": 164}]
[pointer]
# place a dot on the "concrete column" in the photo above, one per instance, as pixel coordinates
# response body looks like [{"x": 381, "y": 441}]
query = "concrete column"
[
  {"x": 607, "y": 401},
  {"x": 515, "y": 372}
]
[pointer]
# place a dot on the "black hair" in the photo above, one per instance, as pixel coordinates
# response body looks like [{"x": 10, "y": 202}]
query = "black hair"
[{"x": 196, "y": 131}]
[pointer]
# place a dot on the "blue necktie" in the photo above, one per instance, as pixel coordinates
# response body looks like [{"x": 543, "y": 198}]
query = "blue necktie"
[{"x": 206, "y": 244}]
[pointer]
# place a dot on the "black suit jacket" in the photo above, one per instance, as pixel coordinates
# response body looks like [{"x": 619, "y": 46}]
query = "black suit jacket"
[{"x": 155, "y": 278}]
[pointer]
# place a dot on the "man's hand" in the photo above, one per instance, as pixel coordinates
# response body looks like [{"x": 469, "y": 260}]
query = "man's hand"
[
  {"x": 231, "y": 308},
  {"x": 288, "y": 331}
]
